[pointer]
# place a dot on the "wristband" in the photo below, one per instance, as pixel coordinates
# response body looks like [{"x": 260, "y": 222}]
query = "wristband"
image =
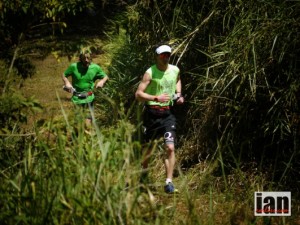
[{"x": 155, "y": 99}]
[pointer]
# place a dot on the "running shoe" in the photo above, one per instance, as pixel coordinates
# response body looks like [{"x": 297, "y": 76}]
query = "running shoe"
[{"x": 169, "y": 188}]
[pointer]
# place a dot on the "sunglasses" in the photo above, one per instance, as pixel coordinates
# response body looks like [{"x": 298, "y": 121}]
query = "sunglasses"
[{"x": 164, "y": 55}]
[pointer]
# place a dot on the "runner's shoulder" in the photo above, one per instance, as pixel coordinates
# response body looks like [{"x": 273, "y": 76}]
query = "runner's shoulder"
[{"x": 174, "y": 67}]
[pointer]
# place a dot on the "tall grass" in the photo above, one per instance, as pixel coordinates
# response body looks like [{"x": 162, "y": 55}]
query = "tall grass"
[
  {"x": 80, "y": 178},
  {"x": 77, "y": 178}
]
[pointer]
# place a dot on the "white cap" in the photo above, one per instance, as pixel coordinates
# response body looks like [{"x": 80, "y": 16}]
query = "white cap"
[{"x": 163, "y": 48}]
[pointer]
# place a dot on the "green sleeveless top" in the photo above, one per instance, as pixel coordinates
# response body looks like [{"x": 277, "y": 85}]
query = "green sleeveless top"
[{"x": 162, "y": 82}]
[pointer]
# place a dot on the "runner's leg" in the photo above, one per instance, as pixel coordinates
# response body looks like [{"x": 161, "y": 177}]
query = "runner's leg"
[
  {"x": 169, "y": 137},
  {"x": 170, "y": 161}
]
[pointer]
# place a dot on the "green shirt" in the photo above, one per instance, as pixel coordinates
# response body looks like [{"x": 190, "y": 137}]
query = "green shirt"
[
  {"x": 162, "y": 82},
  {"x": 83, "y": 79}
]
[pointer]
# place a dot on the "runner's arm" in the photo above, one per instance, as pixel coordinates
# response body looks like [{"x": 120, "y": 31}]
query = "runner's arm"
[
  {"x": 66, "y": 81},
  {"x": 178, "y": 86},
  {"x": 180, "y": 99},
  {"x": 140, "y": 94},
  {"x": 101, "y": 82}
]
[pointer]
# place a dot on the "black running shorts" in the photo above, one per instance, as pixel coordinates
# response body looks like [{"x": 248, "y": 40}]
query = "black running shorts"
[{"x": 159, "y": 124}]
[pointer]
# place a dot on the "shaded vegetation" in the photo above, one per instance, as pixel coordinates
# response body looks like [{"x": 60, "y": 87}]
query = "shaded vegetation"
[
  {"x": 239, "y": 63},
  {"x": 239, "y": 129}
]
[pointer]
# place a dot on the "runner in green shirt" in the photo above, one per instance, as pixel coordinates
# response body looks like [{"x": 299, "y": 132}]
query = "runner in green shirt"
[
  {"x": 84, "y": 74},
  {"x": 159, "y": 88}
]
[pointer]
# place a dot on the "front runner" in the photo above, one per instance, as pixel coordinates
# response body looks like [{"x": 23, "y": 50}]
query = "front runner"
[{"x": 157, "y": 88}]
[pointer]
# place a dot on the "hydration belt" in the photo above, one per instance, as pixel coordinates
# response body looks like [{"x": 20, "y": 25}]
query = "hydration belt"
[
  {"x": 158, "y": 107},
  {"x": 82, "y": 94}
]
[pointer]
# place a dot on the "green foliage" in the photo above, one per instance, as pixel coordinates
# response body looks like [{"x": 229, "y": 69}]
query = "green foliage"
[
  {"x": 80, "y": 178},
  {"x": 74, "y": 177},
  {"x": 14, "y": 109},
  {"x": 23, "y": 17},
  {"x": 239, "y": 68},
  {"x": 127, "y": 66},
  {"x": 253, "y": 74},
  {"x": 21, "y": 20}
]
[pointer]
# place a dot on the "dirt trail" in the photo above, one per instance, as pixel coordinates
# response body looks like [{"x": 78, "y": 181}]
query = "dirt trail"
[{"x": 46, "y": 87}]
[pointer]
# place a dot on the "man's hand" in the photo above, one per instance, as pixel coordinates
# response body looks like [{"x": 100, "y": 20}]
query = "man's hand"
[
  {"x": 100, "y": 84},
  {"x": 69, "y": 88},
  {"x": 162, "y": 98},
  {"x": 180, "y": 100}
]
